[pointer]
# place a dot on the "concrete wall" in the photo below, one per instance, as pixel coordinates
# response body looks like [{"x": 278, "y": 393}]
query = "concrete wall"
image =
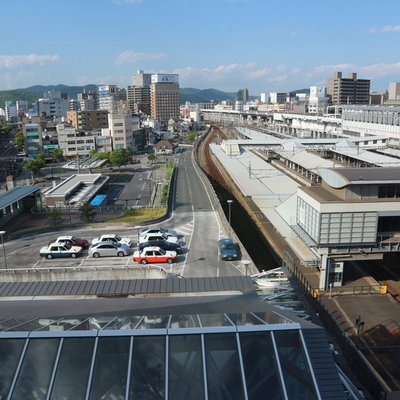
[{"x": 82, "y": 274}]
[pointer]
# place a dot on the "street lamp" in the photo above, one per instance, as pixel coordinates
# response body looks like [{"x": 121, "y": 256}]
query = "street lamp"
[
  {"x": 246, "y": 264},
  {"x": 229, "y": 217},
  {"x": 2, "y": 233}
]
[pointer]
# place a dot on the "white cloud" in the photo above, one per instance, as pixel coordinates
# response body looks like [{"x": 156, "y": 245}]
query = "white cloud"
[
  {"x": 385, "y": 29},
  {"x": 333, "y": 67},
  {"x": 122, "y": 2},
  {"x": 281, "y": 78},
  {"x": 131, "y": 56},
  {"x": 7, "y": 61},
  {"x": 380, "y": 69},
  {"x": 369, "y": 71}
]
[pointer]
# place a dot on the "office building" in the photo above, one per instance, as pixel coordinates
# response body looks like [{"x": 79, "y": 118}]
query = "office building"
[
  {"x": 350, "y": 90},
  {"x": 164, "y": 95}
]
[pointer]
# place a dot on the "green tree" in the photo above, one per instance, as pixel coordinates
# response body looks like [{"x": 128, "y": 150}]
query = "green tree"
[
  {"x": 35, "y": 164},
  {"x": 100, "y": 155},
  {"x": 6, "y": 129},
  {"x": 19, "y": 140},
  {"x": 120, "y": 157},
  {"x": 151, "y": 157},
  {"x": 87, "y": 211},
  {"x": 54, "y": 216},
  {"x": 192, "y": 137},
  {"x": 58, "y": 154}
]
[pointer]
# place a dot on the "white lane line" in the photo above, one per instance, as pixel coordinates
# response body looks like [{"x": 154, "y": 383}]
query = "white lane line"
[
  {"x": 205, "y": 188},
  {"x": 194, "y": 221}
]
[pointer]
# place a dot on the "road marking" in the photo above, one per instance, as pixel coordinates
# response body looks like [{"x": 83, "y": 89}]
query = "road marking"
[{"x": 193, "y": 219}]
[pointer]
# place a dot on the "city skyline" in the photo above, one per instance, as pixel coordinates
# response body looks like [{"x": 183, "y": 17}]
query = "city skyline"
[{"x": 222, "y": 44}]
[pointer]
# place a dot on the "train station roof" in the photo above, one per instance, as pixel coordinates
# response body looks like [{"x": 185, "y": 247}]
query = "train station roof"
[
  {"x": 13, "y": 195},
  {"x": 162, "y": 348}
]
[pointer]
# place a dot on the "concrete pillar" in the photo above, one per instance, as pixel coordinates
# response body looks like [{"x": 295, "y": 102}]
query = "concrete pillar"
[{"x": 324, "y": 272}]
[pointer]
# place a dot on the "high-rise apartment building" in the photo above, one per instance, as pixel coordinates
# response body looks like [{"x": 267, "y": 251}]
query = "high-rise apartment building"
[
  {"x": 88, "y": 101},
  {"x": 243, "y": 95},
  {"x": 107, "y": 97},
  {"x": 88, "y": 120},
  {"x": 350, "y": 90},
  {"x": 277, "y": 98},
  {"x": 138, "y": 95},
  {"x": 164, "y": 95}
]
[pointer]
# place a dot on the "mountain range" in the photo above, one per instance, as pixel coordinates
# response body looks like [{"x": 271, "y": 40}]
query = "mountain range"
[{"x": 32, "y": 93}]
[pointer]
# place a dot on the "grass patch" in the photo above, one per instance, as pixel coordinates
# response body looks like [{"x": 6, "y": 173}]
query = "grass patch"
[
  {"x": 164, "y": 195},
  {"x": 141, "y": 215}
]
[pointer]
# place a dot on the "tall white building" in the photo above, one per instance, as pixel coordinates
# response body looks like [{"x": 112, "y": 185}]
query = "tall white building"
[
  {"x": 10, "y": 110},
  {"x": 318, "y": 100},
  {"x": 107, "y": 98},
  {"x": 264, "y": 97}
]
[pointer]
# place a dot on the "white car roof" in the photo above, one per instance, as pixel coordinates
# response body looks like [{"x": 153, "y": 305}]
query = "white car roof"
[{"x": 152, "y": 248}]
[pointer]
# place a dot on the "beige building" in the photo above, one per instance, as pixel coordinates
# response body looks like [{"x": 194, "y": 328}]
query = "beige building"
[
  {"x": 164, "y": 94},
  {"x": 88, "y": 120},
  {"x": 73, "y": 142},
  {"x": 350, "y": 90}
]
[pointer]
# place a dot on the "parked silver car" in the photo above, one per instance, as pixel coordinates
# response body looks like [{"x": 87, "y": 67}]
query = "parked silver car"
[{"x": 107, "y": 249}]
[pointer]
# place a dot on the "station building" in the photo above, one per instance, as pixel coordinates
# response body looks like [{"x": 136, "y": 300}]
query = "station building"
[{"x": 75, "y": 190}]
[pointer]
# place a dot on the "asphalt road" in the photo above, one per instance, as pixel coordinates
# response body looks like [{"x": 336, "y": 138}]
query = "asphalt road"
[{"x": 193, "y": 216}]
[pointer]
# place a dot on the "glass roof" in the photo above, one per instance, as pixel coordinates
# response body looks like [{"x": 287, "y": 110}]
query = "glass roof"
[
  {"x": 205, "y": 356},
  {"x": 140, "y": 322}
]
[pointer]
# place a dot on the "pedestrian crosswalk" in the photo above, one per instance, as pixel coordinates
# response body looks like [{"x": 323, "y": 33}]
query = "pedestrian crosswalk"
[{"x": 186, "y": 230}]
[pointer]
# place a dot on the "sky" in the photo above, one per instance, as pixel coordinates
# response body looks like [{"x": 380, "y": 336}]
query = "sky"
[{"x": 264, "y": 45}]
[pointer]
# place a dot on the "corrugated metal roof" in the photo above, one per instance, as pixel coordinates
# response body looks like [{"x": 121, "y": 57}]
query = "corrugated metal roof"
[
  {"x": 126, "y": 287},
  {"x": 307, "y": 160},
  {"x": 369, "y": 157},
  {"x": 17, "y": 193}
]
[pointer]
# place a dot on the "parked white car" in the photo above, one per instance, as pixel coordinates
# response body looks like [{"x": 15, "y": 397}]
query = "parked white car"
[
  {"x": 56, "y": 250},
  {"x": 157, "y": 236},
  {"x": 109, "y": 249},
  {"x": 112, "y": 237},
  {"x": 157, "y": 229}
]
